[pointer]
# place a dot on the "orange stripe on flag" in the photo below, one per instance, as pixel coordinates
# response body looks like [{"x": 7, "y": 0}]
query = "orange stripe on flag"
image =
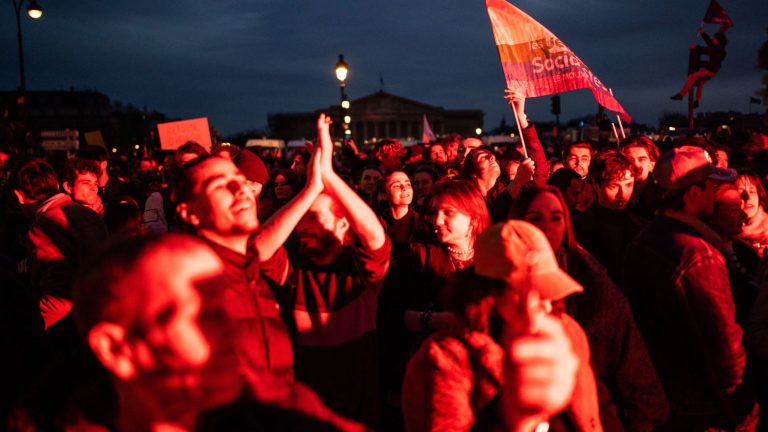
[{"x": 537, "y": 63}]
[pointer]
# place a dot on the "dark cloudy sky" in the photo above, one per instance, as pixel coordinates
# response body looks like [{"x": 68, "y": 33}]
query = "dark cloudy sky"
[{"x": 236, "y": 60}]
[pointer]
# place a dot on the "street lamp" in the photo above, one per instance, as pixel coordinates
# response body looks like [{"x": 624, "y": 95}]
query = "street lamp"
[
  {"x": 342, "y": 70},
  {"x": 34, "y": 10}
]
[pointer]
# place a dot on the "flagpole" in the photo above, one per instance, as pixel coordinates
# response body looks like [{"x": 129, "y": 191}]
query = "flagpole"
[
  {"x": 621, "y": 127},
  {"x": 519, "y": 130},
  {"x": 615, "y": 133}
]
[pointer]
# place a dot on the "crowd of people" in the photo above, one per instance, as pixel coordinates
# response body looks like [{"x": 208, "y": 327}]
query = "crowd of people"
[{"x": 446, "y": 286}]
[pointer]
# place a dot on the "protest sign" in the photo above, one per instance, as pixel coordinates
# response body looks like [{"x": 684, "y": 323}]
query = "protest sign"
[{"x": 174, "y": 134}]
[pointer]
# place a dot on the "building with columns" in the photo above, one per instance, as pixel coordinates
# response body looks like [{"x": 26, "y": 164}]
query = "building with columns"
[{"x": 377, "y": 116}]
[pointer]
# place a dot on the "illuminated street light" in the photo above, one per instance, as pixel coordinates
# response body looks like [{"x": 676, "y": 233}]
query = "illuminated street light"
[
  {"x": 478, "y": 131},
  {"x": 34, "y": 10},
  {"x": 342, "y": 69}
]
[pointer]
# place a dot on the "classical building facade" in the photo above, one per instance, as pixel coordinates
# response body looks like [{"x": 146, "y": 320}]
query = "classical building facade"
[{"x": 377, "y": 116}]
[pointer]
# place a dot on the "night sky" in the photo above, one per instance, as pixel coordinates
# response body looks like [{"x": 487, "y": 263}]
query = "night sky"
[{"x": 235, "y": 61}]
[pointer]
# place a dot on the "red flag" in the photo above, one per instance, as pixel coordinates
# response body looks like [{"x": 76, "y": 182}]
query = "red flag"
[
  {"x": 537, "y": 63},
  {"x": 426, "y": 135},
  {"x": 717, "y": 15}
]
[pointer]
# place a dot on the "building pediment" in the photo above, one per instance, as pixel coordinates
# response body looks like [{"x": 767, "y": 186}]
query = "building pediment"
[{"x": 386, "y": 103}]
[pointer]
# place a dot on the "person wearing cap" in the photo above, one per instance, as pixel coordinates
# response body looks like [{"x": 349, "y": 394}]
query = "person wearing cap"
[
  {"x": 256, "y": 176},
  {"x": 677, "y": 284},
  {"x": 514, "y": 364},
  {"x": 253, "y": 169}
]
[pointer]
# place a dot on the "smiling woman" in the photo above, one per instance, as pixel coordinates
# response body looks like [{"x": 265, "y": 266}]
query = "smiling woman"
[
  {"x": 391, "y": 201},
  {"x": 413, "y": 303},
  {"x": 753, "y": 200}
]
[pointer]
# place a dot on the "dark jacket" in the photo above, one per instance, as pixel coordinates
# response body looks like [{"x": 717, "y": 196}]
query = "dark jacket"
[
  {"x": 606, "y": 234},
  {"x": 417, "y": 282},
  {"x": 63, "y": 236},
  {"x": 630, "y": 393},
  {"x": 677, "y": 284}
]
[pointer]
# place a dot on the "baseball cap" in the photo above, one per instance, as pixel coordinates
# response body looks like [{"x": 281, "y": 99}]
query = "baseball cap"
[
  {"x": 252, "y": 167},
  {"x": 685, "y": 166},
  {"x": 515, "y": 249}
]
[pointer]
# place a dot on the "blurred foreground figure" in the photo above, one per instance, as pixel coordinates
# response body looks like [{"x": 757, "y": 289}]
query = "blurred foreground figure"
[
  {"x": 161, "y": 351},
  {"x": 514, "y": 365}
]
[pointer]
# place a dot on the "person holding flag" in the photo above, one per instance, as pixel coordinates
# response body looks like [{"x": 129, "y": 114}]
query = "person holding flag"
[
  {"x": 715, "y": 51},
  {"x": 538, "y": 63}
]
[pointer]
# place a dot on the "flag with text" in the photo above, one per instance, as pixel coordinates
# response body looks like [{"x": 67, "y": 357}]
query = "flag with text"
[{"x": 537, "y": 63}]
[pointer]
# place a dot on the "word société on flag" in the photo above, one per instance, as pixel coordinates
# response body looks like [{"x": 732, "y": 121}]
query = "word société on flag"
[{"x": 537, "y": 63}]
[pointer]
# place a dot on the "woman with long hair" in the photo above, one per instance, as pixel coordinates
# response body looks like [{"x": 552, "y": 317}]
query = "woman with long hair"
[
  {"x": 456, "y": 215},
  {"x": 630, "y": 393},
  {"x": 395, "y": 211},
  {"x": 753, "y": 201},
  {"x": 413, "y": 301}
]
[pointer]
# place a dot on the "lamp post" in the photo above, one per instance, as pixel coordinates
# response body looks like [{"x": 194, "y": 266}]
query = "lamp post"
[
  {"x": 35, "y": 11},
  {"x": 342, "y": 70}
]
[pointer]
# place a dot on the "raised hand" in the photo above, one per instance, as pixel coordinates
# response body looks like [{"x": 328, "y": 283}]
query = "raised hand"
[
  {"x": 539, "y": 374},
  {"x": 325, "y": 142},
  {"x": 516, "y": 99},
  {"x": 525, "y": 171},
  {"x": 315, "y": 170}
]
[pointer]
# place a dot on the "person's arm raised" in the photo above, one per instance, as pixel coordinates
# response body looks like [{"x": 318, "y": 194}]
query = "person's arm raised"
[
  {"x": 275, "y": 231},
  {"x": 537, "y": 157},
  {"x": 362, "y": 219}
]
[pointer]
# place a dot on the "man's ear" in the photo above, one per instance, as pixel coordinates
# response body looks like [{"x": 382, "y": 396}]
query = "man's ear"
[
  {"x": 108, "y": 341},
  {"x": 67, "y": 187},
  {"x": 185, "y": 213},
  {"x": 692, "y": 195},
  {"x": 342, "y": 226}
]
